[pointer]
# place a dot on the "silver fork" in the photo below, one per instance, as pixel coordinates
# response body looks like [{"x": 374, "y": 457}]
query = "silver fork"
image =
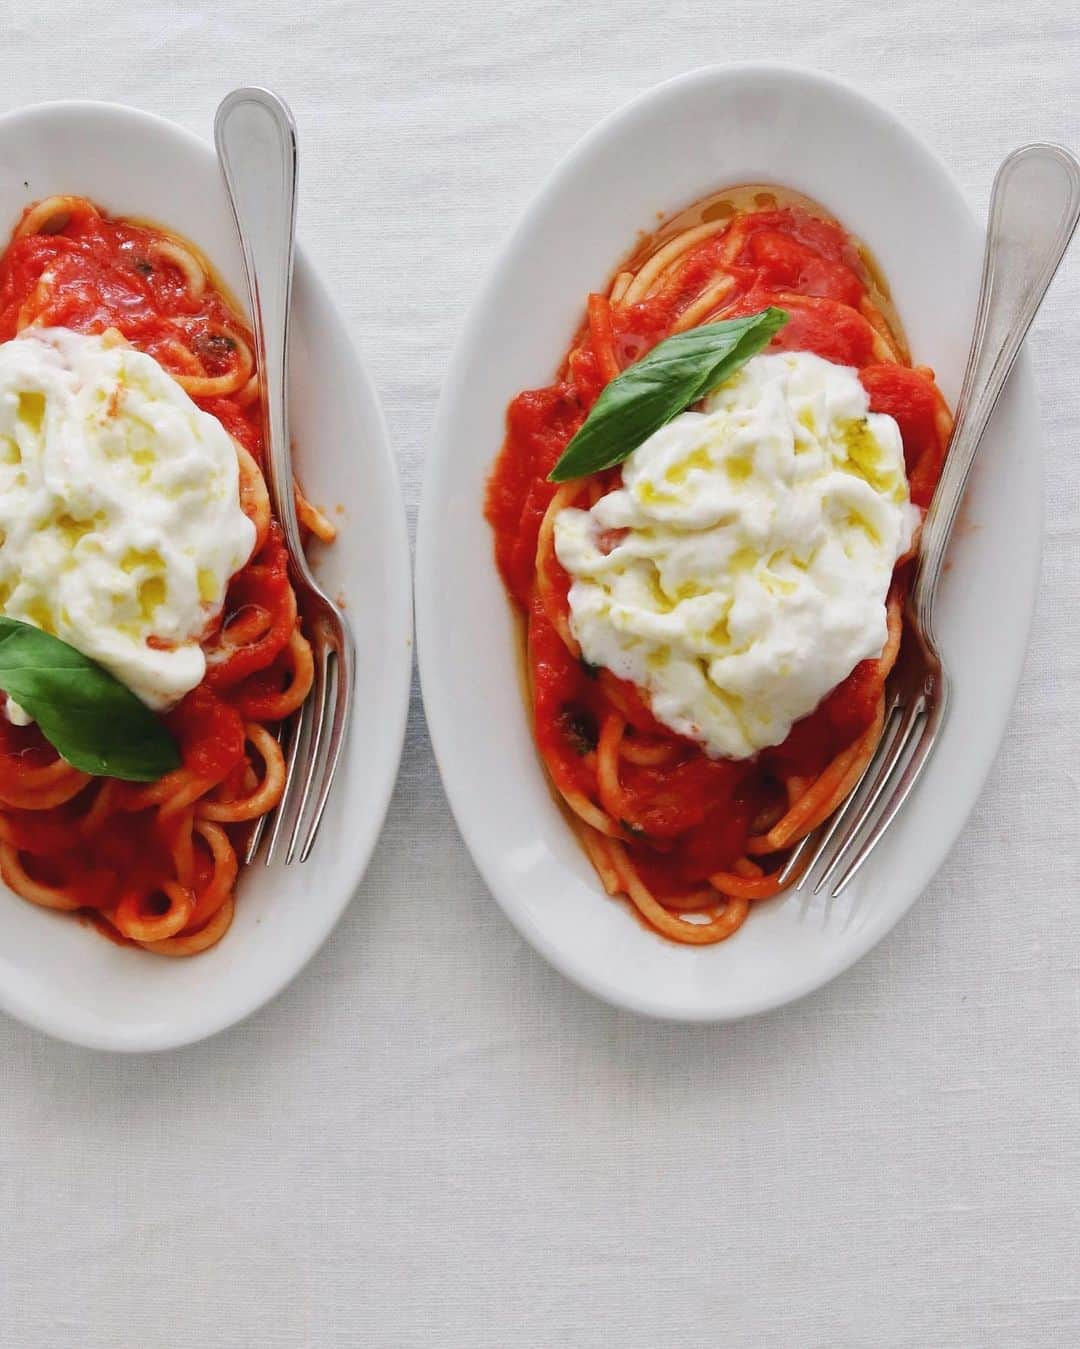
[
  {"x": 1034, "y": 206},
  {"x": 256, "y": 143}
]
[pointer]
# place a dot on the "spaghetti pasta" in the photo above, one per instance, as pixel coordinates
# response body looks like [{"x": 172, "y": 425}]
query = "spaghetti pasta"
[
  {"x": 694, "y": 842},
  {"x": 156, "y": 864}
]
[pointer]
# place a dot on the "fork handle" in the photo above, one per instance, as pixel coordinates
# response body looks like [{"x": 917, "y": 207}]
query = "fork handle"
[
  {"x": 1034, "y": 207},
  {"x": 255, "y": 137}
]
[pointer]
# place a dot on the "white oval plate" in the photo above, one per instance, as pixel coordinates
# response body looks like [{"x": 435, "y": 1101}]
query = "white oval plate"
[
  {"x": 56, "y": 973},
  {"x": 680, "y": 141}
]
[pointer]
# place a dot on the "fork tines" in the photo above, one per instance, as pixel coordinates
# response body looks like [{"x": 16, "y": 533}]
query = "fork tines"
[{"x": 913, "y": 717}]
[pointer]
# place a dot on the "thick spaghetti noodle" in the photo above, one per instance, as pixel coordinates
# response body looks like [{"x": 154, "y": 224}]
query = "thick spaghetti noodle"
[
  {"x": 156, "y": 864},
  {"x": 692, "y": 841}
]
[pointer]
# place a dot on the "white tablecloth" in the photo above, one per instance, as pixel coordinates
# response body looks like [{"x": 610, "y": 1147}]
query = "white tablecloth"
[{"x": 431, "y": 1139}]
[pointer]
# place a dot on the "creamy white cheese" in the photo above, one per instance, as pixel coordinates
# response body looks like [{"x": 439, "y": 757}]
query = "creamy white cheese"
[
  {"x": 741, "y": 571},
  {"x": 120, "y": 516}
]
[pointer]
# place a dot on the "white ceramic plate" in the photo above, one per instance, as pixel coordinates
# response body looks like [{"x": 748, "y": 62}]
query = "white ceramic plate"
[
  {"x": 56, "y": 973},
  {"x": 692, "y": 136}
]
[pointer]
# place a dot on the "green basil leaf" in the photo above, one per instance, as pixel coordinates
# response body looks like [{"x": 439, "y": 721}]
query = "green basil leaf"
[
  {"x": 648, "y": 394},
  {"x": 95, "y": 722}
]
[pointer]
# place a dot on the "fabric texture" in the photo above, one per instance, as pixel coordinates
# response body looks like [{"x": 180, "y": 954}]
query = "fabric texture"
[{"x": 431, "y": 1138}]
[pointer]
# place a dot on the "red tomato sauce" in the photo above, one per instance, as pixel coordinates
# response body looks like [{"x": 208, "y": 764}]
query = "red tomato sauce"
[
  {"x": 102, "y": 273},
  {"x": 692, "y": 815},
  {"x": 93, "y": 274}
]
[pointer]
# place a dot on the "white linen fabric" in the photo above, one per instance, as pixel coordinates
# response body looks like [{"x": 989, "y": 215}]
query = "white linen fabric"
[{"x": 432, "y": 1139}]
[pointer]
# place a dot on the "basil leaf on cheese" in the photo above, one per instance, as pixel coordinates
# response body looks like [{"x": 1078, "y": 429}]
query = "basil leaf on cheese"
[
  {"x": 84, "y": 712},
  {"x": 666, "y": 381}
]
